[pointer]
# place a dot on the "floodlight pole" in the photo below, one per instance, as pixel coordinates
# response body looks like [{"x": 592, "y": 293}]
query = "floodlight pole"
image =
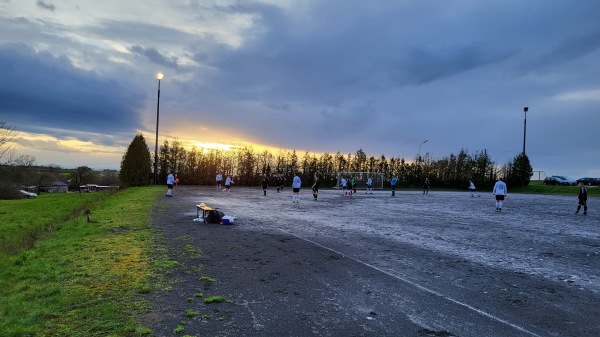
[
  {"x": 159, "y": 77},
  {"x": 425, "y": 141},
  {"x": 523, "y": 156},
  {"x": 419, "y": 160}
]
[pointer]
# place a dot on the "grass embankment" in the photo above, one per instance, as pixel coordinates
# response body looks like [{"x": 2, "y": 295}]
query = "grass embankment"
[
  {"x": 63, "y": 276},
  {"x": 534, "y": 187},
  {"x": 537, "y": 187}
]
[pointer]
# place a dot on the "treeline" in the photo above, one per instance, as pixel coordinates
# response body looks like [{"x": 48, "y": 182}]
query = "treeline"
[{"x": 198, "y": 166}]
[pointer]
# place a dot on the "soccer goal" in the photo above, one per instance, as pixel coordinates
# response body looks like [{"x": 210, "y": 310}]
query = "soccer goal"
[{"x": 361, "y": 179}]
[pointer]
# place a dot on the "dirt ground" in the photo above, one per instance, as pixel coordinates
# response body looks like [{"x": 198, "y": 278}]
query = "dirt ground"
[{"x": 442, "y": 264}]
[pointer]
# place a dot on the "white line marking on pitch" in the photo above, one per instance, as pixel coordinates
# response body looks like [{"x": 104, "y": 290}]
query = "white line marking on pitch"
[{"x": 431, "y": 291}]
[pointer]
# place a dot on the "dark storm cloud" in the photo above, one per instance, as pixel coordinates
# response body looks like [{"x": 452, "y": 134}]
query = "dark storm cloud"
[
  {"x": 44, "y": 5},
  {"x": 567, "y": 50},
  {"x": 154, "y": 56},
  {"x": 329, "y": 63},
  {"x": 39, "y": 89}
]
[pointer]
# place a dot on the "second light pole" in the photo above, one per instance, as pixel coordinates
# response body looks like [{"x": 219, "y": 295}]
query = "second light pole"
[
  {"x": 159, "y": 77},
  {"x": 523, "y": 156},
  {"x": 419, "y": 162}
]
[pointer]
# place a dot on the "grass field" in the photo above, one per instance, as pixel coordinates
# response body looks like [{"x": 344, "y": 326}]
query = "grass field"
[
  {"x": 540, "y": 188},
  {"x": 63, "y": 276}
]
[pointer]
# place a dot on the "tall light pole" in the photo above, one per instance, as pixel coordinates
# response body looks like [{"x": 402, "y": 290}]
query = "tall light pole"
[
  {"x": 419, "y": 160},
  {"x": 159, "y": 77},
  {"x": 523, "y": 156},
  {"x": 425, "y": 141}
]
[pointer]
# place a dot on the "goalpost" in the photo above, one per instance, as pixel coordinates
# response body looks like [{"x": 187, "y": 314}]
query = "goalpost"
[{"x": 361, "y": 179}]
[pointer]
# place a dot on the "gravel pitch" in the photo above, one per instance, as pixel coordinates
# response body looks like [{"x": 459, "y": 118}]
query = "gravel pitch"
[{"x": 442, "y": 264}]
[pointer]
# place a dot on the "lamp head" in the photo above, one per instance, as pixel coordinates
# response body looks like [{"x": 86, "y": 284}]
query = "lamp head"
[
  {"x": 525, "y": 109},
  {"x": 160, "y": 76}
]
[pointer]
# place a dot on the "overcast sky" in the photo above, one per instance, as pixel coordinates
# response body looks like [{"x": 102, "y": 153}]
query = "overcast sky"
[{"x": 311, "y": 75}]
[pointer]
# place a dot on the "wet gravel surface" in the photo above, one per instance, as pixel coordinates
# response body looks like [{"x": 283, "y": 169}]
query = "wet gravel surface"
[{"x": 442, "y": 264}]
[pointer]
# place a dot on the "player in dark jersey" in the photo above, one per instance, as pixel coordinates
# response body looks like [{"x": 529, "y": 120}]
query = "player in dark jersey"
[{"x": 315, "y": 187}]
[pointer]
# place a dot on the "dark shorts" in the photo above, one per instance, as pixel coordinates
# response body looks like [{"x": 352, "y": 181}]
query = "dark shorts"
[
  {"x": 368, "y": 186},
  {"x": 393, "y": 187},
  {"x": 170, "y": 185},
  {"x": 219, "y": 182},
  {"x": 227, "y": 186},
  {"x": 315, "y": 189},
  {"x": 296, "y": 190},
  {"x": 499, "y": 197},
  {"x": 583, "y": 202}
]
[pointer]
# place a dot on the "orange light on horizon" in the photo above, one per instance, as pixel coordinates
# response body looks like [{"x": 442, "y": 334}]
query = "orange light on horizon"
[{"x": 213, "y": 146}]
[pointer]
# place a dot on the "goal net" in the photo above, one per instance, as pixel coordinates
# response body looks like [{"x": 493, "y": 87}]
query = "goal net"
[{"x": 360, "y": 178}]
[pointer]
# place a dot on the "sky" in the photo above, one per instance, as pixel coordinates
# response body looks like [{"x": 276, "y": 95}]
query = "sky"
[{"x": 79, "y": 78}]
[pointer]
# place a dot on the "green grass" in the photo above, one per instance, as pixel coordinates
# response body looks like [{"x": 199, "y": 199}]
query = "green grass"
[
  {"x": 24, "y": 221},
  {"x": 78, "y": 278},
  {"x": 214, "y": 299},
  {"x": 537, "y": 187}
]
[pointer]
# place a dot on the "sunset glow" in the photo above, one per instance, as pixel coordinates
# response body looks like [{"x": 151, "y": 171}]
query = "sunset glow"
[{"x": 213, "y": 146}]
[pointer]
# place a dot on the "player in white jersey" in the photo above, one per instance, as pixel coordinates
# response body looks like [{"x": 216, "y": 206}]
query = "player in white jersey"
[
  {"x": 369, "y": 186},
  {"x": 344, "y": 186},
  {"x": 228, "y": 182},
  {"x": 219, "y": 180},
  {"x": 170, "y": 183},
  {"x": 500, "y": 192},
  {"x": 296, "y": 183},
  {"x": 473, "y": 189}
]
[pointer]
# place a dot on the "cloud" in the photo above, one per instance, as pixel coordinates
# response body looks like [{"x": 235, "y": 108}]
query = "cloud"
[
  {"x": 568, "y": 49},
  {"x": 584, "y": 95},
  {"x": 154, "y": 56},
  {"x": 44, "y": 5},
  {"x": 41, "y": 89}
]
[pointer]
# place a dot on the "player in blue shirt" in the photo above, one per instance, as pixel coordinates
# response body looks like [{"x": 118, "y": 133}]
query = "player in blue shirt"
[{"x": 394, "y": 181}]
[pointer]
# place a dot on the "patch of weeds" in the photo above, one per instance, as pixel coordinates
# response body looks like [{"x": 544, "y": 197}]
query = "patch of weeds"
[
  {"x": 191, "y": 313},
  {"x": 165, "y": 284},
  {"x": 141, "y": 307},
  {"x": 192, "y": 251},
  {"x": 213, "y": 299},
  {"x": 199, "y": 294},
  {"x": 163, "y": 264},
  {"x": 222, "y": 318},
  {"x": 179, "y": 329},
  {"x": 229, "y": 301},
  {"x": 186, "y": 238},
  {"x": 207, "y": 279},
  {"x": 190, "y": 300},
  {"x": 143, "y": 288},
  {"x": 143, "y": 331},
  {"x": 206, "y": 316}
]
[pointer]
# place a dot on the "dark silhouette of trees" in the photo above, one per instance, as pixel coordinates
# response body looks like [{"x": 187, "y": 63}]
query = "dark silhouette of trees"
[
  {"x": 198, "y": 166},
  {"x": 518, "y": 171},
  {"x": 80, "y": 176}
]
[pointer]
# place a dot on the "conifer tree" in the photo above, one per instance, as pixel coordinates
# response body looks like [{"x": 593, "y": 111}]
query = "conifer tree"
[{"x": 136, "y": 166}]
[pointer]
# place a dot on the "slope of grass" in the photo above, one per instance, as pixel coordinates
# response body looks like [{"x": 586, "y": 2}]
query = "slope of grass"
[
  {"x": 24, "y": 221},
  {"x": 83, "y": 279},
  {"x": 539, "y": 188}
]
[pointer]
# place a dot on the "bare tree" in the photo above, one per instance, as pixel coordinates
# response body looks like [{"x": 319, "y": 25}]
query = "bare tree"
[{"x": 8, "y": 134}]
